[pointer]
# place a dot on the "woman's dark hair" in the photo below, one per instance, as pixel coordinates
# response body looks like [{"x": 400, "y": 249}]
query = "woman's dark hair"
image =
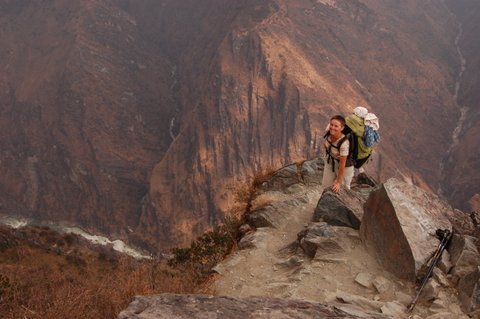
[{"x": 339, "y": 118}]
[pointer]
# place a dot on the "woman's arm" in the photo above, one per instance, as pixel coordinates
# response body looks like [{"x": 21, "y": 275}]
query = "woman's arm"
[{"x": 341, "y": 168}]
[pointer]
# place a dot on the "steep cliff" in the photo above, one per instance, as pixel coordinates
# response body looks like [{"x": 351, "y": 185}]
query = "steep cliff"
[
  {"x": 140, "y": 119},
  {"x": 85, "y": 105},
  {"x": 283, "y": 70},
  {"x": 463, "y": 161}
]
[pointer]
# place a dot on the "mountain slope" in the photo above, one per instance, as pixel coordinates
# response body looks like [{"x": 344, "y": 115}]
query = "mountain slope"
[{"x": 142, "y": 119}]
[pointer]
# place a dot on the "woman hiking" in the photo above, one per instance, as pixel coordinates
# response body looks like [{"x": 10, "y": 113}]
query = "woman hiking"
[{"x": 338, "y": 168}]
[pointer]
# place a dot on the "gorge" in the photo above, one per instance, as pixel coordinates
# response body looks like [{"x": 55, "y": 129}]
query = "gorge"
[{"x": 144, "y": 121}]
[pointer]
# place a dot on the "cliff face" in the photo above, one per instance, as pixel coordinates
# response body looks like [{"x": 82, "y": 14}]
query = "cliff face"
[
  {"x": 141, "y": 119},
  {"x": 284, "y": 69},
  {"x": 461, "y": 180},
  {"x": 85, "y": 112}
]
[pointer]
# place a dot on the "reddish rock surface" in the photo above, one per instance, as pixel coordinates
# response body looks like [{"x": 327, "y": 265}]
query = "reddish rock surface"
[{"x": 142, "y": 119}]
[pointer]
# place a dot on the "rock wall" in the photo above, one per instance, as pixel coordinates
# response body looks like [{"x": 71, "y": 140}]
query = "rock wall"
[
  {"x": 142, "y": 120},
  {"x": 461, "y": 183}
]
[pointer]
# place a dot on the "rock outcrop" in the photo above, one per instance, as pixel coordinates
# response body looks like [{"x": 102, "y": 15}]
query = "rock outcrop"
[
  {"x": 328, "y": 265},
  {"x": 399, "y": 226},
  {"x": 170, "y": 306}
]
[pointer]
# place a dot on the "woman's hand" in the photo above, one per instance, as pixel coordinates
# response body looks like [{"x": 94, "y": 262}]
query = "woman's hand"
[
  {"x": 336, "y": 187},
  {"x": 341, "y": 168}
]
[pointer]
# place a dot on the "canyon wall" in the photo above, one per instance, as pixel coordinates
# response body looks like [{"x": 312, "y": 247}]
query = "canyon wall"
[
  {"x": 462, "y": 165},
  {"x": 146, "y": 120}
]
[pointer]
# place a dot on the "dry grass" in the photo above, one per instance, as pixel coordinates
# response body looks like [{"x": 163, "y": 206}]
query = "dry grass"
[
  {"x": 36, "y": 282},
  {"x": 47, "y": 275}
]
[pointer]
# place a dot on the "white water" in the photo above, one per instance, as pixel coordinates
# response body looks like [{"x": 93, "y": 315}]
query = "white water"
[
  {"x": 117, "y": 245},
  {"x": 172, "y": 125},
  {"x": 463, "y": 110}
]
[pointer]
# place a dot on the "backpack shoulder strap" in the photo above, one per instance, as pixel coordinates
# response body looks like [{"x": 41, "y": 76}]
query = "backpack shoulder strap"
[{"x": 339, "y": 143}]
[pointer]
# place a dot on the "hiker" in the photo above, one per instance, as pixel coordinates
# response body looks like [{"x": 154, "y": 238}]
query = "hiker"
[{"x": 338, "y": 170}]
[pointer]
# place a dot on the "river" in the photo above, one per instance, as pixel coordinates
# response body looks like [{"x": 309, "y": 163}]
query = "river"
[
  {"x": 117, "y": 245},
  {"x": 463, "y": 111}
]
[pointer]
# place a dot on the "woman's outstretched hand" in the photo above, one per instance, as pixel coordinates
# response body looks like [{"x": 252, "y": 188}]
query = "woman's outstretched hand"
[{"x": 336, "y": 187}]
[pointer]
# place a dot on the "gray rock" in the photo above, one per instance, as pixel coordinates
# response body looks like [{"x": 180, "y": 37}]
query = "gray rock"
[
  {"x": 362, "y": 313},
  {"x": 261, "y": 217},
  {"x": 382, "y": 284},
  {"x": 469, "y": 291},
  {"x": 403, "y": 298},
  {"x": 274, "y": 214},
  {"x": 282, "y": 179},
  {"x": 292, "y": 262},
  {"x": 312, "y": 171},
  {"x": 441, "y": 278},
  {"x": 321, "y": 246},
  {"x": 266, "y": 216},
  {"x": 318, "y": 237},
  {"x": 444, "y": 263},
  {"x": 364, "y": 279},
  {"x": 431, "y": 290},
  {"x": 342, "y": 209},
  {"x": 245, "y": 228},
  {"x": 172, "y": 306},
  {"x": 320, "y": 229},
  {"x": 399, "y": 226},
  {"x": 462, "y": 223},
  {"x": 253, "y": 239},
  {"x": 394, "y": 309},
  {"x": 464, "y": 255},
  {"x": 360, "y": 301}
]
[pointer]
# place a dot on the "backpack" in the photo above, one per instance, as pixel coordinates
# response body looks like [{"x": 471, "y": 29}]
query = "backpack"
[{"x": 357, "y": 127}]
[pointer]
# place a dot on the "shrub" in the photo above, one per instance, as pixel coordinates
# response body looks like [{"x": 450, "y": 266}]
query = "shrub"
[{"x": 209, "y": 249}]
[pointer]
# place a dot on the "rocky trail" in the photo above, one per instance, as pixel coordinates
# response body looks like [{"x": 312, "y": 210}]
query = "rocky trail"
[
  {"x": 271, "y": 263},
  {"x": 309, "y": 253}
]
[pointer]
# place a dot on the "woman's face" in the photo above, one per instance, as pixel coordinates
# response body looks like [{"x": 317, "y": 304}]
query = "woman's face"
[{"x": 336, "y": 128}]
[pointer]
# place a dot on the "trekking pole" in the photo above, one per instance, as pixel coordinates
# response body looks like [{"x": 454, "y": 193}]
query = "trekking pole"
[{"x": 444, "y": 236}]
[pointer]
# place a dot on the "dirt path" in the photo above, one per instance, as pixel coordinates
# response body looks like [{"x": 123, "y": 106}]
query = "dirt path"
[{"x": 269, "y": 269}]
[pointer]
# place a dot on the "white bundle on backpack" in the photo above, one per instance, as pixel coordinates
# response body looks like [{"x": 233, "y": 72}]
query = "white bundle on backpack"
[
  {"x": 371, "y": 135},
  {"x": 372, "y": 121}
]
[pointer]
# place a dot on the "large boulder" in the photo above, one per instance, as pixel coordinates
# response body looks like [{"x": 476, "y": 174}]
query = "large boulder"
[{"x": 399, "y": 225}]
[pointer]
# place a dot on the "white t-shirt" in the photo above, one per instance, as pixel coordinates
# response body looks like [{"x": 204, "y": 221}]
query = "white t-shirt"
[{"x": 336, "y": 153}]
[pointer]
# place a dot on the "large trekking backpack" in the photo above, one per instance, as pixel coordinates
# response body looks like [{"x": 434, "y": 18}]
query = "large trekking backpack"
[
  {"x": 356, "y": 126},
  {"x": 355, "y": 147}
]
